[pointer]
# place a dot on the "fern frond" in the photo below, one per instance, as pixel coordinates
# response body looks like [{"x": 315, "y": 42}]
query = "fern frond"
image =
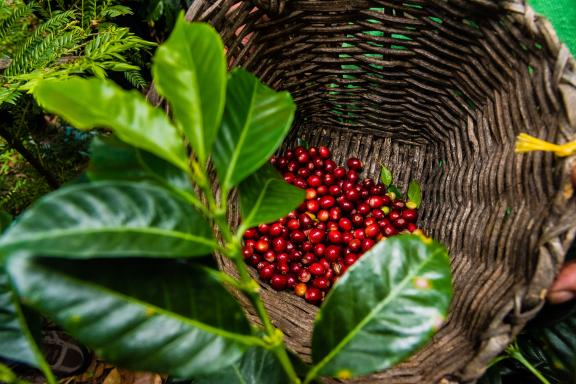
[
  {"x": 135, "y": 79},
  {"x": 112, "y": 42},
  {"x": 47, "y": 51},
  {"x": 115, "y": 11},
  {"x": 9, "y": 95},
  {"x": 52, "y": 25},
  {"x": 13, "y": 20}
]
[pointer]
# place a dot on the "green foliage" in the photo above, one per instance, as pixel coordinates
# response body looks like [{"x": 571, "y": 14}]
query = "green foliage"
[
  {"x": 110, "y": 260},
  {"x": 73, "y": 40},
  {"x": 415, "y": 193},
  {"x": 397, "y": 305}
]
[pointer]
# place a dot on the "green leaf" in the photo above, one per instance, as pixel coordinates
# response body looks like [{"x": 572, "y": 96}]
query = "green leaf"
[
  {"x": 5, "y": 220},
  {"x": 265, "y": 197},
  {"x": 385, "y": 176},
  {"x": 142, "y": 314},
  {"x": 112, "y": 159},
  {"x": 257, "y": 366},
  {"x": 95, "y": 103},
  {"x": 110, "y": 219},
  {"x": 415, "y": 193},
  {"x": 190, "y": 72},
  {"x": 256, "y": 120},
  {"x": 383, "y": 309}
]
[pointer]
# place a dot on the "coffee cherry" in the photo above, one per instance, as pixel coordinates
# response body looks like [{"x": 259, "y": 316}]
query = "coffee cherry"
[
  {"x": 363, "y": 209},
  {"x": 282, "y": 258},
  {"x": 319, "y": 249},
  {"x": 372, "y": 230},
  {"x": 267, "y": 272},
  {"x": 303, "y": 173},
  {"x": 293, "y": 224},
  {"x": 323, "y": 215},
  {"x": 304, "y": 275},
  {"x": 313, "y": 151},
  {"x": 311, "y": 194},
  {"x": 269, "y": 256},
  {"x": 350, "y": 259},
  {"x": 375, "y": 202},
  {"x": 318, "y": 163},
  {"x": 307, "y": 246},
  {"x": 317, "y": 269},
  {"x": 291, "y": 281},
  {"x": 352, "y": 176},
  {"x": 335, "y": 190},
  {"x": 247, "y": 252},
  {"x": 329, "y": 166},
  {"x": 368, "y": 183},
  {"x": 389, "y": 230},
  {"x": 335, "y": 213},
  {"x": 355, "y": 244},
  {"x": 275, "y": 229},
  {"x": 329, "y": 179},
  {"x": 400, "y": 223},
  {"x": 323, "y": 152},
  {"x": 300, "y": 289},
  {"x": 279, "y": 244},
  {"x": 359, "y": 234},
  {"x": 345, "y": 224},
  {"x": 369, "y": 221},
  {"x": 322, "y": 190},
  {"x": 295, "y": 255},
  {"x": 313, "y": 295},
  {"x": 399, "y": 205},
  {"x": 312, "y": 206},
  {"x": 303, "y": 158},
  {"x": 332, "y": 226},
  {"x": 332, "y": 253},
  {"x": 308, "y": 258},
  {"x": 354, "y": 163},
  {"x": 315, "y": 235},
  {"x": 314, "y": 181},
  {"x": 352, "y": 195},
  {"x": 297, "y": 236},
  {"x": 357, "y": 220},
  {"x": 327, "y": 201},
  {"x": 282, "y": 268},
  {"x": 262, "y": 246},
  {"x": 347, "y": 237},
  {"x": 279, "y": 282},
  {"x": 335, "y": 237},
  {"x": 367, "y": 244},
  {"x": 321, "y": 283},
  {"x": 339, "y": 173},
  {"x": 306, "y": 221},
  {"x": 410, "y": 215},
  {"x": 411, "y": 227},
  {"x": 254, "y": 260},
  {"x": 250, "y": 233},
  {"x": 394, "y": 215}
]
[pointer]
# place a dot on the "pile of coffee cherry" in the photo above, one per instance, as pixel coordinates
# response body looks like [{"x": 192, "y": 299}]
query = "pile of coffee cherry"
[{"x": 342, "y": 218}]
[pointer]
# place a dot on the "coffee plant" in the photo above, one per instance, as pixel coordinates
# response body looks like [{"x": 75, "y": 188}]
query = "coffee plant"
[{"x": 122, "y": 261}]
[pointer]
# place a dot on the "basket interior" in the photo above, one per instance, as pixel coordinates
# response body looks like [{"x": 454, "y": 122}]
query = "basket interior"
[{"x": 437, "y": 91}]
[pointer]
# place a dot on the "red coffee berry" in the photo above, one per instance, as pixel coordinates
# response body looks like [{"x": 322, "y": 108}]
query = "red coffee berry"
[
  {"x": 339, "y": 173},
  {"x": 300, "y": 183},
  {"x": 354, "y": 163},
  {"x": 313, "y": 151},
  {"x": 411, "y": 227},
  {"x": 247, "y": 252},
  {"x": 275, "y": 229},
  {"x": 321, "y": 283},
  {"x": 267, "y": 272},
  {"x": 295, "y": 268},
  {"x": 279, "y": 282},
  {"x": 279, "y": 244},
  {"x": 327, "y": 201},
  {"x": 317, "y": 269},
  {"x": 299, "y": 150},
  {"x": 322, "y": 190},
  {"x": 318, "y": 163},
  {"x": 400, "y": 223},
  {"x": 368, "y": 183},
  {"x": 291, "y": 281},
  {"x": 399, "y": 205},
  {"x": 311, "y": 194},
  {"x": 250, "y": 233},
  {"x": 315, "y": 235},
  {"x": 313, "y": 295},
  {"x": 357, "y": 220},
  {"x": 372, "y": 230},
  {"x": 355, "y": 244},
  {"x": 394, "y": 215},
  {"x": 283, "y": 268},
  {"x": 352, "y": 176},
  {"x": 332, "y": 253},
  {"x": 335, "y": 190},
  {"x": 363, "y": 209},
  {"x": 303, "y": 158},
  {"x": 345, "y": 224},
  {"x": 352, "y": 195},
  {"x": 312, "y": 206},
  {"x": 335, "y": 213},
  {"x": 323, "y": 152},
  {"x": 304, "y": 275},
  {"x": 254, "y": 260},
  {"x": 270, "y": 256},
  {"x": 389, "y": 230},
  {"x": 346, "y": 205},
  {"x": 329, "y": 166},
  {"x": 323, "y": 215},
  {"x": 347, "y": 237},
  {"x": 293, "y": 224},
  {"x": 307, "y": 246},
  {"x": 314, "y": 181},
  {"x": 367, "y": 244},
  {"x": 359, "y": 233},
  {"x": 303, "y": 173},
  {"x": 350, "y": 259},
  {"x": 410, "y": 215},
  {"x": 319, "y": 249},
  {"x": 335, "y": 237},
  {"x": 282, "y": 258},
  {"x": 262, "y": 246},
  {"x": 297, "y": 236},
  {"x": 369, "y": 221},
  {"x": 375, "y": 202}
]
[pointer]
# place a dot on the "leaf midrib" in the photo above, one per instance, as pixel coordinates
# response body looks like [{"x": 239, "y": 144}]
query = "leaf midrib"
[
  {"x": 372, "y": 314},
  {"x": 146, "y": 230},
  {"x": 258, "y": 203}
]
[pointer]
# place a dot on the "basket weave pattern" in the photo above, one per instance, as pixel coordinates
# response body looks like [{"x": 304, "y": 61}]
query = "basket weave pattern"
[{"x": 437, "y": 91}]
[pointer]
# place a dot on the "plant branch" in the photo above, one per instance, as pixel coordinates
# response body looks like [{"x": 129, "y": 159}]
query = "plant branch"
[
  {"x": 13, "y": 142},
  {"x": 514, "y": 352}
]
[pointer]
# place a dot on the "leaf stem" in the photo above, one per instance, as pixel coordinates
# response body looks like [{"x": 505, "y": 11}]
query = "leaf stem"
[
  {"x": 514, "y": 352},
  {"x": 232, "y": 247}
]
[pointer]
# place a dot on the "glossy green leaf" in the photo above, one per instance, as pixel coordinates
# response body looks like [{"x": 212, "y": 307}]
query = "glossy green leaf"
[
  {"x": 257, "y": 366},
  {"x": 190, "y": 72},
  {"x": 265, "y": 197},
  {"x": 110, "y": 219},
  {"x": 16, "y": 341},
  {"x": 385, "y": 176},
  {"x": 256, "y": 120},
  {"x": 112, "y": 159},
  {"x": 415, "y": 193},
  {"x": 95, "y": 103},
  {"x": 383, "y": 309},
  {"x": 142, "y": 314},
  {"x": 5, "y": 220}
]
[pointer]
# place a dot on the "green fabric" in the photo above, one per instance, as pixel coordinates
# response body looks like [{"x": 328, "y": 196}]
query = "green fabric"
[{"x": 562, "y": 15}]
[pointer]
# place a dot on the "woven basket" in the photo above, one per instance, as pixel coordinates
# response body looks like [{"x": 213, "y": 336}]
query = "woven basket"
[{"x": 437, "y": 90}]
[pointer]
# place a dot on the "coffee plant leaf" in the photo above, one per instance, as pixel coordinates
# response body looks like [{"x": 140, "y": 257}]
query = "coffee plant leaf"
[
  {"x": 415, "y": 193},
  {"x": 386, "y": 306},
  {"x": 265, "y": 197},
  {"x": 5, "y": 220},
  {"x": 190, "y": 72},
  {"x": 96, "y": 103},
  {"x": 112, "y": 159},
  {"x": 392, "y": 188},
  {"x": 110, "y": 219},
  {"x": 257, "y": 366},
  {"x": 256, "y": 120},
  {"x": 385, "y": 176},
  {"x": 142, "y": 314},
  {"x": 16, "y": 340}
]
